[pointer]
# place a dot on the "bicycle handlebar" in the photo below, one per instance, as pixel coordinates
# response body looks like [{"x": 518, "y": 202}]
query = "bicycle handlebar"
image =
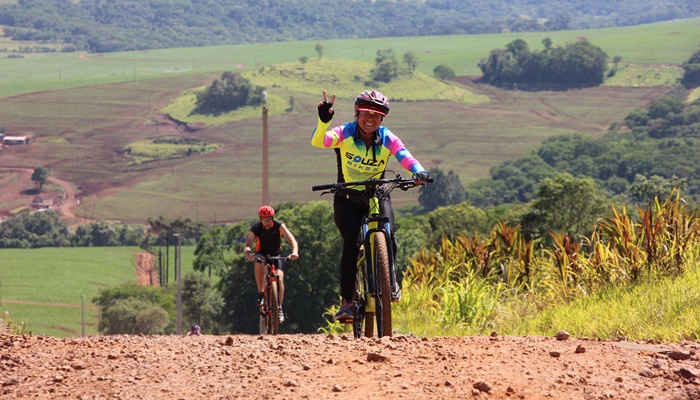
[
  {"x": 404, "y": 184},
  {"x": 266, "y": 258}
]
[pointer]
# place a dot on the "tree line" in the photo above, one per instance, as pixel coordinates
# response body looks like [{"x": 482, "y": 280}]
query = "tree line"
[
  {"x": 661, "y": 141},
  {"x": 577, "y": 64},
  {"x": 124, "y": 25}
]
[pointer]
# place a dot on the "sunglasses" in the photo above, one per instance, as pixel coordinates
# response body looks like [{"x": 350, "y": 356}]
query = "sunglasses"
[
  {"x": 269, "y": 219},
  {"x": 370, "y": 114}
]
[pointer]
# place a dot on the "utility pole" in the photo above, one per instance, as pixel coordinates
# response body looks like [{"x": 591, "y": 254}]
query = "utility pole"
[
  {"x": 82, "y": 315},
  {"x": 179, "y": 285},
  {"x": 265, "y": 172}
]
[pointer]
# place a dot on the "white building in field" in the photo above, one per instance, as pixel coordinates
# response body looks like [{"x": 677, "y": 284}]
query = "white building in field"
[{"x": 11, "y": 140}]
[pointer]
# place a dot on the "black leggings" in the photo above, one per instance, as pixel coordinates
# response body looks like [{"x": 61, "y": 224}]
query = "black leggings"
[{"x": 348, "y": 219}]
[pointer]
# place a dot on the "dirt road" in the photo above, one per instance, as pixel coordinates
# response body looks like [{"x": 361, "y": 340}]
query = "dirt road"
[
  {"x": 146, "y": 273},
  {"x": 339, "y": 367},
  {"x": 69, "y": 198},
  {"x": 15, "y": 189}
]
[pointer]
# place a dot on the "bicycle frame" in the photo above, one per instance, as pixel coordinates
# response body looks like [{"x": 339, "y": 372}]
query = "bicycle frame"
[
  {"x": 269, "y": 322},
  {"x": 375, "y": 267},
  {"x": 373, "y": 224}
]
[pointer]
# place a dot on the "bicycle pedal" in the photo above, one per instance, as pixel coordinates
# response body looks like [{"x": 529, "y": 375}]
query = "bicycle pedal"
[{"x": 345, "y": 320}]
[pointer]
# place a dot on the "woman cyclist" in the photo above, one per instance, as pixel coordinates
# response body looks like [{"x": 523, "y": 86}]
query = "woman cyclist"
[{"x": 362, "y": 148}]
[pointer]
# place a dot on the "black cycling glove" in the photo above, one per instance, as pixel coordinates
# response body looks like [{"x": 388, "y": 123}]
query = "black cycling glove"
[
  {"x": 324, "y": 112},
  {"x": 420, "y": 176}
]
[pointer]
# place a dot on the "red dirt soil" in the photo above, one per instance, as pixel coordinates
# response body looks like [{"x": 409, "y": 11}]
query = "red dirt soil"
[
  {"x": 13, "y": 191},
  {"x": 340, "y": 367}
]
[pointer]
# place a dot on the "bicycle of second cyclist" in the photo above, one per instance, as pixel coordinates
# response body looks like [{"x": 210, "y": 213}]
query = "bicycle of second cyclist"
[
  {"x": 269, "y": 309},
  {"x": 375, "y": 264}
]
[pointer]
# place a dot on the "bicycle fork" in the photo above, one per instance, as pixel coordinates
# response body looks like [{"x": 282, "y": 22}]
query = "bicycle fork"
[
  {"x": 269, "y": 279},
  {"x": 370, "y": 227}
]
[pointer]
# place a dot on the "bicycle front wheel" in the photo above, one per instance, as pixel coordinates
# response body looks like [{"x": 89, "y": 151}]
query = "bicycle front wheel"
[
  {"x": 263, "y": 323},
  {"x": 363, "y": 321},
  {"x": 383, "y": 285}
]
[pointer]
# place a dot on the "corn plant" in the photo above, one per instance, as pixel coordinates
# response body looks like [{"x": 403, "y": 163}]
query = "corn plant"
[
  {"x": 622, "y": 235},
  {"x": 512, "y": 253}
]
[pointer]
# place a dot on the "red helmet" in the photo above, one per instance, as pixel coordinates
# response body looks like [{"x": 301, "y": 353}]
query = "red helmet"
[
  {"x": 266, "y": 212},
  {"x": 372, "y": 101}
]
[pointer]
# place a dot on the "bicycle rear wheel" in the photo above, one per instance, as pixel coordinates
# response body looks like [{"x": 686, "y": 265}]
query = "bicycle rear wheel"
[
  {"x": 272, "y": 309},
  {"x": 383, "y": 286}
]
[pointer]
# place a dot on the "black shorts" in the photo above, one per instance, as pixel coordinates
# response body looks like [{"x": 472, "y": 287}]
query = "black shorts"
[{"x": 279, "y": 264}]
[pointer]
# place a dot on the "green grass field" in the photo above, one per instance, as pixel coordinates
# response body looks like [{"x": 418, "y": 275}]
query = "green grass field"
[
  {"x": 45, "y": 287},
  {"x": 663, "y": 42}
]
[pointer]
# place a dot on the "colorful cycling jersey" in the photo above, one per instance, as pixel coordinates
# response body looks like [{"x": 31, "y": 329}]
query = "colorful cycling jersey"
[
  {"x": 269, "y": 240},
  {"x": 356, "y": 162}
]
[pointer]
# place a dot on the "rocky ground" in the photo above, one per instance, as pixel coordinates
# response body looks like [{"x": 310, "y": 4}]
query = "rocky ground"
[{"x": 341, "y": 367}]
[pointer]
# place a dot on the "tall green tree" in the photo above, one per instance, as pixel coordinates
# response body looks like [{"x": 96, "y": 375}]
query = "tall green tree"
[
  {"x": 411, "y": 60},
  {"x": 201, "y": 303},
  {"x": 691, "y": 71},
  {"x": 209, "y": 253},
  {"x": 165, "y": 229},
  {"x": 451, "y": 220},
  {"x": 565, "y": 204},
  {"x": 40, "y": 176},
  {"x": 445, "y": 190},
  {"x": 386, "y": 66},
  {"x": 656, "y": 187},
  {"x": 231, "y": 92},
  {"x": 443, "y": 72},
  {"x": 412, "y": 234}
]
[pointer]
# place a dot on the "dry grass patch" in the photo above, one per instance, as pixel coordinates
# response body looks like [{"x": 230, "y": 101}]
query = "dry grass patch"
[
  {"x": 645, "y": 75},
  {"x": 347, "y": 78}
]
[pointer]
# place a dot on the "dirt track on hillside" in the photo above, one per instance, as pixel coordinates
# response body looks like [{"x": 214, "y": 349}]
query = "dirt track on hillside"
[
  {"x": 339, "y": 367},
  {"x": 146, "y": 273},
  {"x": 69, "y": 197},
  {"x": 23, "y": 182}
]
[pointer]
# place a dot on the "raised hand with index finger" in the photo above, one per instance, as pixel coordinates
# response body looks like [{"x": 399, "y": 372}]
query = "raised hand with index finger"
[{"x": 325, "y": 108}]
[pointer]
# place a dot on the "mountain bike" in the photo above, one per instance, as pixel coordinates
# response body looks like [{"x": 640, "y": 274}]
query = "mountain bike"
[
  {"x": 375, "y": 263},
  {"x": 269, "y": 309}
]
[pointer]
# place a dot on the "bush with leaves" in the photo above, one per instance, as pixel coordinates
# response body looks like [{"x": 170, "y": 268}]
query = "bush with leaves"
[
  {"x": 231, "y": 92},
  {"x": 130, "y": 308}
]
